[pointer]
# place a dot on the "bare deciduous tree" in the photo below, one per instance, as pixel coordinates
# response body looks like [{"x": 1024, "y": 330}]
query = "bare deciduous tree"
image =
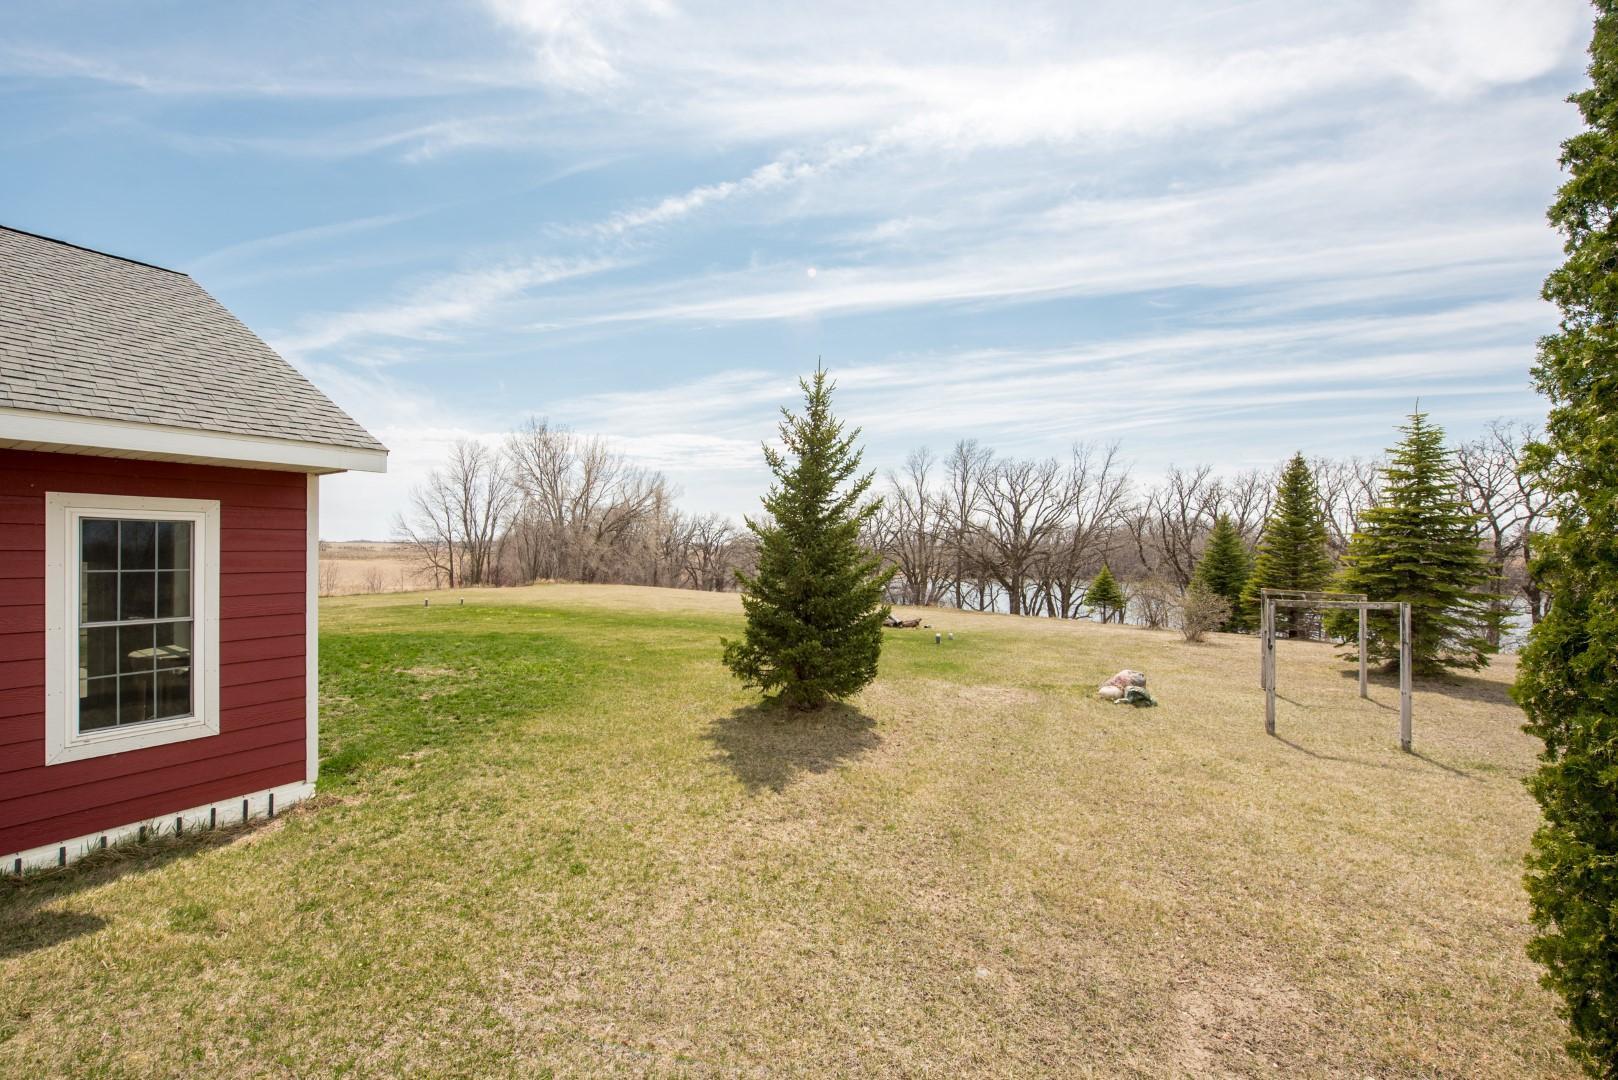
[
  {"x": 458, "y": 516},
  {"x": 912, "y": 530},
  {"x": 1024, "y": 504},
  {"x": 968, "y": 529},
  {"x": 1154, "y": 602},
  {"x": 1097, "y": 485},
  {"x": 1347, "y": 489},
  {"x": 1245, "y": 498},
  {"x": 715, "y": 553},
  {"x": 1169, "y": 526},
  {"x": 964, "y": 473},
  {"x": 1509, "y": 507}
]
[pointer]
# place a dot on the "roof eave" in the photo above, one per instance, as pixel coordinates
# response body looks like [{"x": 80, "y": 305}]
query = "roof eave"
[{"x": 22, "y": 429}]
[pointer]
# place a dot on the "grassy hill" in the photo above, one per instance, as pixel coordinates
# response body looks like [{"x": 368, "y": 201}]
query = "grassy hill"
[{"x": 555, "y": 838}]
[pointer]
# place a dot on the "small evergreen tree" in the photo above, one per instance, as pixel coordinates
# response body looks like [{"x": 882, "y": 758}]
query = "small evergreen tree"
[
  {"x": 1292, "y": 553},
  {"x": 1223, "y": 570},
  {"x": 1420, "y": 544},
  {"x": 1106, "y": 595},
  {"x": 1568, "y": 682},
  {"x": 814, "y": 608}
]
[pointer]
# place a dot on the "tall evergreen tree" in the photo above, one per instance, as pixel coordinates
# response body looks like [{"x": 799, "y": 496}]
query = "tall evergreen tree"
[
  {"x": 1420, "y": 544},
  {"x": 814, "y": 608},
  {"x": 1106, "y": 595},
  {"x": 1292, "y": 553},
  {"x": 1224, "y": 568},
  {"x": 1568, "y": 682}
]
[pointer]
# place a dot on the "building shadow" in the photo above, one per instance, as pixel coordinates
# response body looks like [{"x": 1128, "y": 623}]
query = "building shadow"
[
  {"x": 37, "y": 929},
  {"x": 28, "y": 921},
  {"x": 768, "y": 747}
]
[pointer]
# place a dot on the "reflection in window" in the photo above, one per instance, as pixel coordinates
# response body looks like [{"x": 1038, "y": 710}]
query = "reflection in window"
[{"x": 135, "y": 621}]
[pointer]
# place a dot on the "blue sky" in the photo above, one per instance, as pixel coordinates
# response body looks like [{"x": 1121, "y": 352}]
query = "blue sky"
[{"x": 1215, "y": 232}]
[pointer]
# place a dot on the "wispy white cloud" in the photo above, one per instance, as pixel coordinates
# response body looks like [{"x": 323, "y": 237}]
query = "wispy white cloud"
[
  {"x": 962, "y": 78},
  {"x": 292, "y": 238},
  {"x": 1009, "y": 272},
  {"x": 771, "y": 176},
  {"x": 1149, "y": 380},
  {"x": 570, "y": 38},
  {"x": 452, "y": 300},
  {"x": 1269, "y": 217}
]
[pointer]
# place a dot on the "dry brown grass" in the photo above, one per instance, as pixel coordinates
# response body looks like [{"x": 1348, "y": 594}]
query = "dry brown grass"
[
  {"x": 365, "y": 566},
  {"x": 977, "y": 868}
]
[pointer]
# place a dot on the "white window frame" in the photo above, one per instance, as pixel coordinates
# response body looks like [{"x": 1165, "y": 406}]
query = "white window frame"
[{"x": 63, "y": 512}]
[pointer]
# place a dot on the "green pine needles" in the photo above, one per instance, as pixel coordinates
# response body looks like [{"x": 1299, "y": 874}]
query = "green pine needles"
[
  {"x": 1292, "y": 554},
  {"x": 815, "y": 607},
  {"x": 1568, "y": 681},
  {"x": 1106, "y": 596},
  {"x": 1223, "y": 570},
  {"x": 1420, "y": 544}
]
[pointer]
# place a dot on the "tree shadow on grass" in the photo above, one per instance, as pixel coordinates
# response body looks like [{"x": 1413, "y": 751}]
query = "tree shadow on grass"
[
  {"x": 1453, "y": 684},
  {"x": 768, "y": 747}
]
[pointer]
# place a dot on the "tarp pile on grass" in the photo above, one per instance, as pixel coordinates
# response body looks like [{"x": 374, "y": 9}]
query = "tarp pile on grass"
[{"x": 1128, "y": 687}]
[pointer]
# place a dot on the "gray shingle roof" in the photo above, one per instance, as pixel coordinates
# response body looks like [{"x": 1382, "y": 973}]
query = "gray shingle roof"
[{"x": 88, "y": 334}]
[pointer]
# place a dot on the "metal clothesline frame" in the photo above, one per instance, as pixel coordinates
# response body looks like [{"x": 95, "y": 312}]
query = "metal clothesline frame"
[{"x": 1270, "y": 599}]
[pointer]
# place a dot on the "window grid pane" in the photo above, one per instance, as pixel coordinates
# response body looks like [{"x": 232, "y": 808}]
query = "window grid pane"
[{"x": 135, "y": 612}]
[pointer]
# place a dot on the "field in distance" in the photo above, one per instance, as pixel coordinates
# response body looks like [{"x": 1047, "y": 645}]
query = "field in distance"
[{"x": 369, "y": 566}]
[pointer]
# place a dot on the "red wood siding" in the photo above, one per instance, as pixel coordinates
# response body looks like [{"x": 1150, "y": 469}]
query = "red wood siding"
[{"x": 261, "y": 738}]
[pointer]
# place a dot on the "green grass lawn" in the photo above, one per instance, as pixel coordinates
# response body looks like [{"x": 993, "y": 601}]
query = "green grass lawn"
[{"x": 555, "y": 838}]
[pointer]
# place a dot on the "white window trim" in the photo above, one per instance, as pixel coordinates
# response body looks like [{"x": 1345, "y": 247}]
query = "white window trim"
[{"x": 63, "y": 742}]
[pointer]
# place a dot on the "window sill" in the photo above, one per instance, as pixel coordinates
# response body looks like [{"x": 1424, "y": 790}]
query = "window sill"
[{"x": 133, "y": 737}]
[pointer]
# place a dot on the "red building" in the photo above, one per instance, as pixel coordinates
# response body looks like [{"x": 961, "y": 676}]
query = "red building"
[{"x": 159, "y": 524}]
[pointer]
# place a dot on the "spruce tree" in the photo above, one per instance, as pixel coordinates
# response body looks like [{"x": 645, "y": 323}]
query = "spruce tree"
[
  {"x": 814, "y": 608},
  {"x": 1568, "y": 681},
  {"x": 1223, "y": 570},
  {"x": 1107, "y": 595},
  {"x": 1292, "y": 553},
  {"x": 1420, "y": 545}
]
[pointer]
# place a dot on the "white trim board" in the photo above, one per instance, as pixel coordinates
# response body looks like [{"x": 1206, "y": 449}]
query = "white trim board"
[
  {"x": 60, "y": 433},
  {"x": 311, "y": 635},
  {"x": 220, "y": 812}
]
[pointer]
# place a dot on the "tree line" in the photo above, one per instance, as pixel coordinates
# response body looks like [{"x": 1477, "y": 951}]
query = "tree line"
[
  {"x": 550, "y": 504},
  {"x": 971, "y": 528},
  {"x": 1030, "y": 536}
]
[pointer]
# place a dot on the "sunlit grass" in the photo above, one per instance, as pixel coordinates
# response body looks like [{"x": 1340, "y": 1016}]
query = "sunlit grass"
[{"x": 555, "y": 836}]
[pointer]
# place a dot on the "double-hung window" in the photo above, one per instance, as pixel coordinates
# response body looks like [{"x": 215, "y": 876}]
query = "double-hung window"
[{"x": 132, "y": 627}]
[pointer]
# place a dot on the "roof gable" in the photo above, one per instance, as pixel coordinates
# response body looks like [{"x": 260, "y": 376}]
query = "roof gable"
[{"x": 85, "y": 334}]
